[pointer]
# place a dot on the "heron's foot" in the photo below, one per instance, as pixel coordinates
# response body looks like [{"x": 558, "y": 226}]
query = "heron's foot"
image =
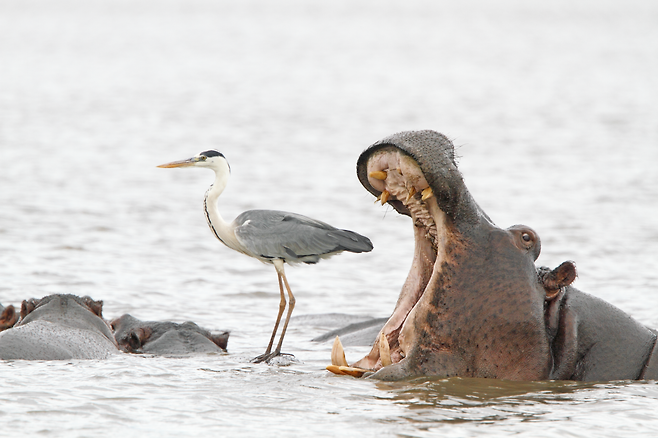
[{"x": 267, "y": 357}]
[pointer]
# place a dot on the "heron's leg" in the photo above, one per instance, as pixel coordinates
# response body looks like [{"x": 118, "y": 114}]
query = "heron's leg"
[
  {"x": 282, "y": 306},
  {"x": 291, "y": 305}
]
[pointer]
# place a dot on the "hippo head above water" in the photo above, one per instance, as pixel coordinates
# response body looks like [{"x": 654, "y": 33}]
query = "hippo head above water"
[
  {"x": 166, "y": 338},
  {"x": 474, "y": 304}
]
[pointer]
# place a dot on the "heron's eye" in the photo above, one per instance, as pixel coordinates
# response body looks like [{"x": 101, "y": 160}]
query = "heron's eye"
[{"x": 203, "y": 158}]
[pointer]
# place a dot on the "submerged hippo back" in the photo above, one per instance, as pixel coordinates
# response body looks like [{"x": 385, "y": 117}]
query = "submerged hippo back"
[
  {"x": 44, "y": 340},
  {"x": 67, "y": 310},
  {"x": 59, "y": 327}
]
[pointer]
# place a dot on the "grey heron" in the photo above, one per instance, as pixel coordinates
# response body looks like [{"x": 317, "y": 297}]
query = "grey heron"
[{"x": 274, "y": 237}]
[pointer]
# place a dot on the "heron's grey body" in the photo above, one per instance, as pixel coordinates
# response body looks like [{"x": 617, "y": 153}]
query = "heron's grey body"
[
  {"x": 271, "y": 236},
  {"x": 293, "y": 238}
]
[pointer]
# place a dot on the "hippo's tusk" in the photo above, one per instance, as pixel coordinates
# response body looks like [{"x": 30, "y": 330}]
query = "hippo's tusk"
[
  {"x": 385, "y": 195},
  {"x": 334, "y": 369},
  {"x": 338, "y": 353},
  {"x": 427, "y": 193},
  {"x": 348, "y": 371},
  {"x": 384, "y": 350},
  {"x": 354, "y": 372},
  {"x": 378, "y": 174},
  {"x": 412, "y": 192},
  {"x": 339, "y": 363}
]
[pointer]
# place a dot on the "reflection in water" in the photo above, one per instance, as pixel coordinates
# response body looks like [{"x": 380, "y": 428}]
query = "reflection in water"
[{"x": 458, "y": 400}]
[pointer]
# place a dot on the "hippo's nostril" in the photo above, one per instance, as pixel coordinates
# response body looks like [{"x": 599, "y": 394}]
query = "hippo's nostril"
[{"x": 134, "y": 342}]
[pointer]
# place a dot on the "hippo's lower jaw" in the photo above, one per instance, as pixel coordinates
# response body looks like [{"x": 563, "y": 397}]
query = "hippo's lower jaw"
[{"x": 402, "y": 183}]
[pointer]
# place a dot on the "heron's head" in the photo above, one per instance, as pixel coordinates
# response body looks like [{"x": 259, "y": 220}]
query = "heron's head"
[{"x": 212, "y": 159}]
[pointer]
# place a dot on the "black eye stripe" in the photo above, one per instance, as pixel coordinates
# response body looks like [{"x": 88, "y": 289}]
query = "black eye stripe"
[{"x": 212, "y": 153}]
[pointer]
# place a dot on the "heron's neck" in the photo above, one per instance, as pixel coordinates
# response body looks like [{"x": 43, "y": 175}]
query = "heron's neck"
[{"x": 220, "y": 228}]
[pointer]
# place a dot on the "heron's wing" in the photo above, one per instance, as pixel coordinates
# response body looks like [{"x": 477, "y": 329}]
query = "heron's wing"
[{"x": 269, "y": 234}]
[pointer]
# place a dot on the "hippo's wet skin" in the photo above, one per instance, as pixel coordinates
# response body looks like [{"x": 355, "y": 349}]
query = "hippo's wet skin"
[
  {"x": 166, "y": 338},
  {"x": 474, "y": 304},
  {"x": 59, "y": 327}
]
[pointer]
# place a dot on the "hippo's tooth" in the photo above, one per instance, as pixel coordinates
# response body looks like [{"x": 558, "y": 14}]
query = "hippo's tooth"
[
  {"x": 384, "y": 350},
  {"x": 338, "y": 353},
  {"x": 378, "y": 174},
  {"x": 334, "y": 369},
  {"x": 349, "y": 371},
  {"x": 354, "y": 372},
  {"x": 412, "y": 192},
  {"x": 427, "y": 193},
  {"x": 385, "y": 195}
]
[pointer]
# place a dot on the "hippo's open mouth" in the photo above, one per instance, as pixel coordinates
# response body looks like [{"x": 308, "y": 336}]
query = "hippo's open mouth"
[{"x": 399, "y": 180}]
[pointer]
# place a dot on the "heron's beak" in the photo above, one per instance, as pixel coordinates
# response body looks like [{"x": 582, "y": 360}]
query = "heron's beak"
[{"x": 182, "y": 163}]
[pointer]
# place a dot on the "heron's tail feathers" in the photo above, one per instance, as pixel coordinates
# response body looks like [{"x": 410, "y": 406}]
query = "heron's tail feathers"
[{"x": 353, "y": 242}]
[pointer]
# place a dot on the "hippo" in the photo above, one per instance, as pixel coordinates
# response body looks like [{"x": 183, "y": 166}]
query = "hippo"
[
  {"x": 59, "y": 327},
  {"x": 165, "y": 338},
  {"x": 8, "y": 317},
  {"x": 474, "y": 303}
]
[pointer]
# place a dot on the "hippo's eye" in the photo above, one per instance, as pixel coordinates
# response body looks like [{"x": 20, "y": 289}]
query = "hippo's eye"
[{"x": 527, "y": 239}]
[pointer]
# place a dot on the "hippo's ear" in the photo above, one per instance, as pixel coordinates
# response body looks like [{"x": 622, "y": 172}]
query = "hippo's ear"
[
  {"x": 8, "y": 318},
  {"x": 221, "y": 340},
  {"x": 95, "y": 306},
  {"x": 27, "y": 306},
  {"x": 553, "y": 281}
]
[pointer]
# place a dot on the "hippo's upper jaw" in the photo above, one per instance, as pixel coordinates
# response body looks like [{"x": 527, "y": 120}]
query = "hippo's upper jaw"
[
  {"x": 396, "y": 177},
  {"x": 471, "y": 305}
]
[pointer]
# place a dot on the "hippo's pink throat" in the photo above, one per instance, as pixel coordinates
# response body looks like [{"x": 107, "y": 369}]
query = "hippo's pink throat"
[{"x": 398, "y": 177}]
